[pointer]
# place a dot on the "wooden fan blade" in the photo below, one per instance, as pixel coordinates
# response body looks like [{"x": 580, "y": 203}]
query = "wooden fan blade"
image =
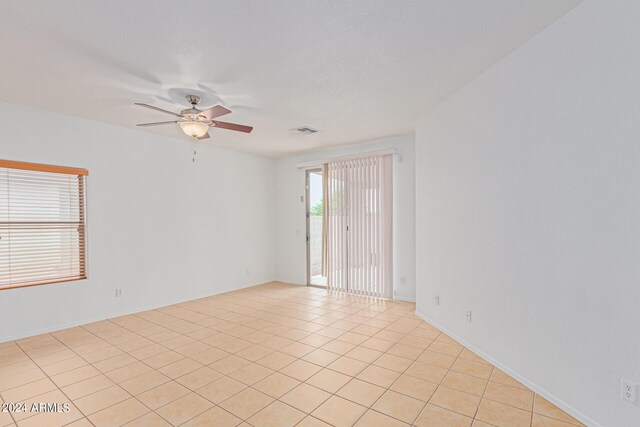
[
  {"x": 232, "y": 126},
  {"x": 157, "y": 123},
  {"x": 157, "y": 109},
  {"x": 205, "y": 136},
  {"x": 215, "y": 111}
]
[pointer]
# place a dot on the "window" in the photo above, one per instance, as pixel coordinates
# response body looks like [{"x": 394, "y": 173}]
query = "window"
[{"x": 42, "y": 224}]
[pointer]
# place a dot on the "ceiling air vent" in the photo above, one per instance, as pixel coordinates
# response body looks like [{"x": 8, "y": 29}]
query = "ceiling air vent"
[{"x": 305, "y": 130}]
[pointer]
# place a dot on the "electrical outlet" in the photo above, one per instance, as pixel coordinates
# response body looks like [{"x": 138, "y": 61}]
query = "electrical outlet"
[
  {"x": 629, "y": 391},
  {"x": 468, "y": 315},
  {"x": 118, "y": 292},
  {"x": 437, "y": 299},
  {"x": 402, "y": 280}
]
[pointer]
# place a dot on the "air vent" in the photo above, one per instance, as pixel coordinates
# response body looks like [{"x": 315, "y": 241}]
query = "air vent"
[{"x": 305, "y": 130}]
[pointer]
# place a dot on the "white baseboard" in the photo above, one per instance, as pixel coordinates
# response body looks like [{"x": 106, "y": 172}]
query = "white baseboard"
[
  {"x": 295, "y": 282},
  {"x": 531, "y": 385},
  {"x": 291, "y": 282},
  {"x": 85, "y": 321}
]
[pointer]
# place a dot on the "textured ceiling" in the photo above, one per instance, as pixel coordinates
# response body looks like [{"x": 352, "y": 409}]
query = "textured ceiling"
[{"x": 354, "y": 70}]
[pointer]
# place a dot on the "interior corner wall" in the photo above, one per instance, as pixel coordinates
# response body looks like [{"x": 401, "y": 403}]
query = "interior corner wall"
[
  {"x": 528, "y": 212},
  {"x": 162, "y": 228},
  {"x": 291, "y": 249}
]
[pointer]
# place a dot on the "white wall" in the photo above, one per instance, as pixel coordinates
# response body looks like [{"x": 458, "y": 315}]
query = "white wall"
[
  {"x": 528, "y": 211},
  {"x": 159, "y": 226},
  {"x": 290, "y": 213}
]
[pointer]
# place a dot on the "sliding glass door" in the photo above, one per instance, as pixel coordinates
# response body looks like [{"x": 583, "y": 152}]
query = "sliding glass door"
[{"x": 315, "y": 228}]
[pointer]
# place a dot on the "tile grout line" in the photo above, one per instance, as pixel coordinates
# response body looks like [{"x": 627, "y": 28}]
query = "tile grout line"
[
  {"x": 300, "y": 358},
  {"x": 102, "y": 339},
  {"x": 57, "y": 387},
  {"x": 101, "y": 373},
  {"x": 177, "y": 318}
]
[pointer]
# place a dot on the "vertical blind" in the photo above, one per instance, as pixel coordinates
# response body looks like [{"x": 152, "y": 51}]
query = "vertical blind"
[
  {"x": 358, "y": 206},
  {"x": 42, "y": 224}
]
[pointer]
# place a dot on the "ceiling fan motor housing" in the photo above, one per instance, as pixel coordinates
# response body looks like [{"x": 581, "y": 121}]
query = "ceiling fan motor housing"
[
  {"x": 193, "y": 99},
  {"x": 193, "y": 114}
]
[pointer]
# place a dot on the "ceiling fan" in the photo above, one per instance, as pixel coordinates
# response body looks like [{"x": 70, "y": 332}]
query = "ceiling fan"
[{"x": 194, "y": 122}]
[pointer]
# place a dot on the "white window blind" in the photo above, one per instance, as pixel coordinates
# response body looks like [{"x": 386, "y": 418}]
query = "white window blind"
[
  {"x": 359, "y": 204},
  {"x": 42, "y": 224}
]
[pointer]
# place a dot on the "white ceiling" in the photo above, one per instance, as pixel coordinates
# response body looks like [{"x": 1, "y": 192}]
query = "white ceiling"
[{"x": 355, "y": 70}]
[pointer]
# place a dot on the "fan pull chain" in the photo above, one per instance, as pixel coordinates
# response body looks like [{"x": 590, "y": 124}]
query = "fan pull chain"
[{"x": 195, "y": 150}]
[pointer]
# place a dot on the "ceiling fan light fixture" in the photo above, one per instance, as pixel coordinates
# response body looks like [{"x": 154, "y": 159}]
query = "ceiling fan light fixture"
[
  {"x": 194, "y": 129},
  {"x": 195, "y": 123}
]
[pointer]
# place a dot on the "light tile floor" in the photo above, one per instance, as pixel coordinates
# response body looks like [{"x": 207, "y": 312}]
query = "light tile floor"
[{"x": 272, "y": 355}]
